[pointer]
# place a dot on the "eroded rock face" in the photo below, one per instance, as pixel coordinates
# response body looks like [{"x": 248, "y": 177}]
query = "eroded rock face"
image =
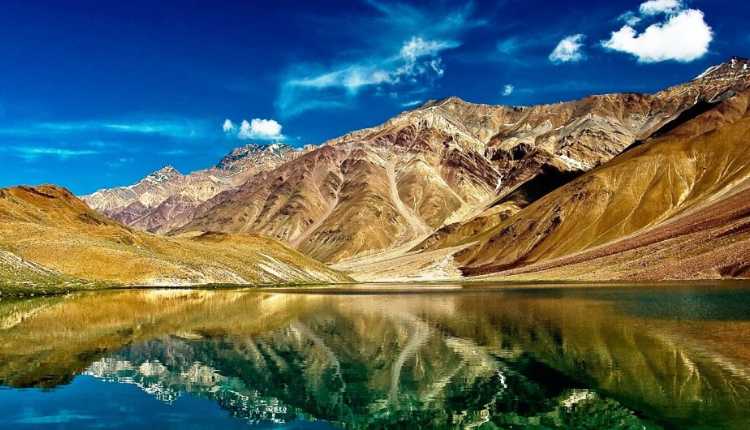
[
  {"x": 165, "y": 199},
  {"x": 446, "y": 165}
]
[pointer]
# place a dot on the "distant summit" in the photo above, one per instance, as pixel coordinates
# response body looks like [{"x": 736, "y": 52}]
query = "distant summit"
[
  {"x": 164, "y": 174},
  {"x": 258, "y": 154},
  {"x": 734, "y": 68},
  {"x": 166, "y": 199}
]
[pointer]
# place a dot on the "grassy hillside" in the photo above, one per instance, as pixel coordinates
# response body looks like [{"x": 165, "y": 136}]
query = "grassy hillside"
[{"x": 47, "y": 235}]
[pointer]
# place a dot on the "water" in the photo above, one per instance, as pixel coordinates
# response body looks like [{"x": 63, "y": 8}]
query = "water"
[{"x": 596, "y": 358}]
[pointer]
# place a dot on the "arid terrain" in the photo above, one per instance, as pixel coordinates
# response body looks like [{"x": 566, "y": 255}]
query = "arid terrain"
[
  {"x": 441, "y": 173},
  {"x": 165, "y": 199},
  {"x": 50, "y": 237},
  {"x": 614, "y": 186}
]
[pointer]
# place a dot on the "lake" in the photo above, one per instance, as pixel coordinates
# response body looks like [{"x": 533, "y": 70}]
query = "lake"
[{"x": 618, "y": 357}]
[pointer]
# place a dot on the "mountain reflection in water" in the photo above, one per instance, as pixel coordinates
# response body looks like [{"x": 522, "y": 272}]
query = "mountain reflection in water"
[{"x": 630, "y": 358}]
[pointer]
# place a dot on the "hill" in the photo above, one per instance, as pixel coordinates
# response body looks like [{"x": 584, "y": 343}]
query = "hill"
[{"x": 48, "y": 234}]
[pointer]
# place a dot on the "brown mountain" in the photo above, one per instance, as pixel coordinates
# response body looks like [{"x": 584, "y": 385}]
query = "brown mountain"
[
  {"x": 48, "y": 237},
  {"x": 433, "y": 177},
  {"x": 675, "y": 207},
  {"x": 165, "y": 199}
]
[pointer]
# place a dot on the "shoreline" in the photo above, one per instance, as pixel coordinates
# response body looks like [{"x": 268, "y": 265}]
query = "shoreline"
[{"x": 355, "y": 288}]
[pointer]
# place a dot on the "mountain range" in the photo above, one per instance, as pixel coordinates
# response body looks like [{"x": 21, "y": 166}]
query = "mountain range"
[
  {"x": 614, "y": 186},
  {"x": 165, "y": 199}
]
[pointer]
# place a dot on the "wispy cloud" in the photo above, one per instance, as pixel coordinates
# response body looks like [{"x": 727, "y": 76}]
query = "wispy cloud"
[
  {"x": 35, "y": 152},
  {"x": 403, "y": 51},
  {"x": 411, "y": 103},
  {"x": 110, "y": 139},
  {"x": 418, "y": 61},
  {"x": 177, "y": 129},
  {"x": 119, "y": 162},
  {"x": 519, "y": 50},
  {"x": 228, "y": 126},
  {"x": 568, "y": 50},
  {"x": 434, "y": 20},
  {"x": 630, "y": 18},
  {"x": 510, "y": 46},
  {"x": 508, "y": 90}
]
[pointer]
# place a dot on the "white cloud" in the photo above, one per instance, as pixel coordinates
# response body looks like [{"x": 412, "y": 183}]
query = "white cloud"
[
  {"x": 568, "y": 50},
  {"x": 655, "y": 7},
  {"x": 419, "y": 57},
  {"x": 228, "y": 126},
  {"x": 508, "y": 89},
  {"x": 684, "y": 37},
  {"x": 418, "y": 47},
  {"x": 260, "y": 129}
]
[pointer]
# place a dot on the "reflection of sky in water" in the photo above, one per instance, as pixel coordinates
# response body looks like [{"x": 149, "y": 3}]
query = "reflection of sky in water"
[{"x": 87, "y": 401}]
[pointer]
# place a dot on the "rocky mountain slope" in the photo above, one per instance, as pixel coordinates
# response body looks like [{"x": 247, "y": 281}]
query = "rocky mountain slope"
[
  {"x": 677, "y": 206},
  {"x": 165, "y": 199},
  {"x": 46, "y": 233},
  {"x": 432, "y": 177}
]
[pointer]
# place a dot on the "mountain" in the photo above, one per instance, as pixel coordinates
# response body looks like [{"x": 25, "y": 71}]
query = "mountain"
[
  {"x": 430, "y": 178},
  {"x": 675, "y": 207},
  {"x": 165, "y": 199},
  {"x": 48, "y": 235}
]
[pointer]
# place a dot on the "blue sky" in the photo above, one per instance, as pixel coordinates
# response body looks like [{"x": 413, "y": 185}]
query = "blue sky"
[{"x": 99, "y": 93}]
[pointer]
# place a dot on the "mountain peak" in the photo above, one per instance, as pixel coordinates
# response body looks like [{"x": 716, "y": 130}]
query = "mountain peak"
[
  {"x": 251, "y": 150},
  {"x": 452, "y": 100},
  {"x": 168, "y": 170},
  {"x": 164, "y": 174},
  {"x": 734, "y": 67}
]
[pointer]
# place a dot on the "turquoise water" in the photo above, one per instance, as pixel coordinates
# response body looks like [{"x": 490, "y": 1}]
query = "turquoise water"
[{"x": 627, "y": 358}]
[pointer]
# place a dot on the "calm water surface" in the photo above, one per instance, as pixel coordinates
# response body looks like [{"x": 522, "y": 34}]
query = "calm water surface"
[{"x": 541, "y": 358}]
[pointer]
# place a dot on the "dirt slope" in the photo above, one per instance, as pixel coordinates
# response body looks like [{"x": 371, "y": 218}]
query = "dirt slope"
[
  {"x": 676, "y": 206},
  {"x": 47, "y": 232}
]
